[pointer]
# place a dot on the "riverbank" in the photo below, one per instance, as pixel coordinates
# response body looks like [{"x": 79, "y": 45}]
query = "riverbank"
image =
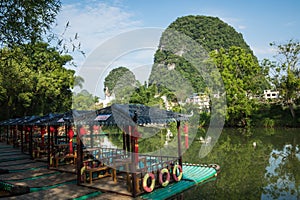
[{"x": 265, "y": 115}]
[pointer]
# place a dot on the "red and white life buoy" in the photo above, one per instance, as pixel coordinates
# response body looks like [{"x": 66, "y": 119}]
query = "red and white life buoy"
[
  {"x": 175, "y": 177},
  {"x": 82, "y": 170},
  {"x": 145, "y": 180},
  {"x": 161, "y": 175}
]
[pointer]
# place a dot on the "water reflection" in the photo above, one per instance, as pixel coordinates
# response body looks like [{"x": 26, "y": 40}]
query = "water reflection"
[
  {"x": 280, "y": 174},
  {"x": 268, "y": 170}
]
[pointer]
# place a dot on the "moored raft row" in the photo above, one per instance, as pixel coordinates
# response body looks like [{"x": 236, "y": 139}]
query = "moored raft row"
[
  {"x": 77, "y": 147},
  {"x": 41, "y": 182}
]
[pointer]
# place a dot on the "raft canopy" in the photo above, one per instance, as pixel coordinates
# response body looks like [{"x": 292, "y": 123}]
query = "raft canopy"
[
  {"x": 18, "y": 121},
  {"x": 116, "y": 114},
  {"x": 130, "y": 115}
]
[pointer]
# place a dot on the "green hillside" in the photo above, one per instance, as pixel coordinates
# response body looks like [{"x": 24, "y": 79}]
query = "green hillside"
[{"x": 211, "y": 32}]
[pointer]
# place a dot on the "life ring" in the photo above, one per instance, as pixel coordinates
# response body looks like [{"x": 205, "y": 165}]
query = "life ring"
[
  {"x": 175, "y": 177},
  {"x": 51, "y": 161},
  {"x": 82, "y": 170},
  {"x": 161, "y": 181},
  {"x": 145, "y": 180}
]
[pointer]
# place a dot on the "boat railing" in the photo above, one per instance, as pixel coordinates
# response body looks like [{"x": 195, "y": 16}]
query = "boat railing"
[
  {"x": 156, "y": 163},
  {"x": 106, "y": 155},
  {"x": 144, "y": 163}
]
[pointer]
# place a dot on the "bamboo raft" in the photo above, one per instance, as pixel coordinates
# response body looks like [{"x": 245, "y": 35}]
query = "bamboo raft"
[{"x": 28, "y": 179}]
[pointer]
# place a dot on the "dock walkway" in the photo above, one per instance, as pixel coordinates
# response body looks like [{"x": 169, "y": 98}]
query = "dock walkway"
[{"x": 35, "y": 181}]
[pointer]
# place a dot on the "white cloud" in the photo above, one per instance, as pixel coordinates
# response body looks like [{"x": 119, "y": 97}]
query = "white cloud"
[
  {"x": 290, "y": 23},
  {"x": 133, "y": 49},
  {"x": 94, "y": 22},
  {"x": 242, "y": 27},
  {"x": 264, "y": 52},
  {"x": 234, "y": 22}
]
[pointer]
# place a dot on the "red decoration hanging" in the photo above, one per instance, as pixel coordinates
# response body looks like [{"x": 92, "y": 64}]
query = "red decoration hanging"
[
  {"x": 71, "y": 135},
  {"x": 82, "y": 131},
  {"x": 186, "y": 131},
  {"x": 136, "y": 133},
  {"x": 43, "y": 131},
  {"x": 136, "y": 149},
  {"x": 52, "y": 129},
  {"x": 95, "y": 127}
]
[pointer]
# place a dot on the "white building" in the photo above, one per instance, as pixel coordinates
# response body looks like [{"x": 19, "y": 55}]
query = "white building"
[
  {"x": 200, "y": 99},
  {"x": 268, "y": 94},
  {"x": 108, "y": 98}
]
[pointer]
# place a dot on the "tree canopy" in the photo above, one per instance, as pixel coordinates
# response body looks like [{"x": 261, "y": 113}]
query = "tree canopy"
[
  {"x": 84, "y": 101},
  {"x": 33, "y": 81},
  {"x": 241, "y": 75},
  {"x": 211, "y": 32},
  {"x": 121, "y": 82},
  {"x": 285, "y": 72},
  {"x": 24, "y": 21},
  {"x": 33, "y": 77}
]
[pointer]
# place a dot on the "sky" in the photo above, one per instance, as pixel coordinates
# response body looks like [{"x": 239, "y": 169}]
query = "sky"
[{"x": 97, "y": 22}]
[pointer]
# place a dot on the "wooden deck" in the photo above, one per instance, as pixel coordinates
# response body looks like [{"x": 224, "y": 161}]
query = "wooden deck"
[
  {"x": 108, "y": 185},
  {"x": 56, "y": 183},
  {"x": 69, "y": 168}
]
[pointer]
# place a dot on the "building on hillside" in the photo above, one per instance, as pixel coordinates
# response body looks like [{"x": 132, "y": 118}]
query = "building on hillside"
[
  {"x": 200, "y": 99},
  {"x": 168, "y": 105},
  {"x": 108, "y": 98},
  {"x": 268, "y": 94},
  {"x": 171, "y": 66}
]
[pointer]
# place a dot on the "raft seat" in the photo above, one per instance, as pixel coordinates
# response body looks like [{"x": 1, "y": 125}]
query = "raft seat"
[
  {"x": 66, "y": 157},
  {"x": 99, "y": 171},
  {"x": 39, "y": 151}
]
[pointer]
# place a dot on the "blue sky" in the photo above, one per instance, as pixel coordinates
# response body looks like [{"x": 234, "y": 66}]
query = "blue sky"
[{"x": 259, "y": 21}]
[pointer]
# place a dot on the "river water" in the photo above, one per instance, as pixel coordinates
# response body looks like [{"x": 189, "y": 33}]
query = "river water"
[{"x": 255, "y": 164}]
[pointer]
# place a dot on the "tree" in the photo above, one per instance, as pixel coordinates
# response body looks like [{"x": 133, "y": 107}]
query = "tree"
[
  {"x": 84, "y": 101},
  {"x": 24, "y": 21},
  {"x": 30, "y": 21},
  {"x": 240, "y": 72},
  {"x": 121, "y": 82},
  {"x": 34, "y": 80},
  {"x": 78, "y": 81},
  {"x": 147, "y": 96},
  {"x": 286, "y": 72}
]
